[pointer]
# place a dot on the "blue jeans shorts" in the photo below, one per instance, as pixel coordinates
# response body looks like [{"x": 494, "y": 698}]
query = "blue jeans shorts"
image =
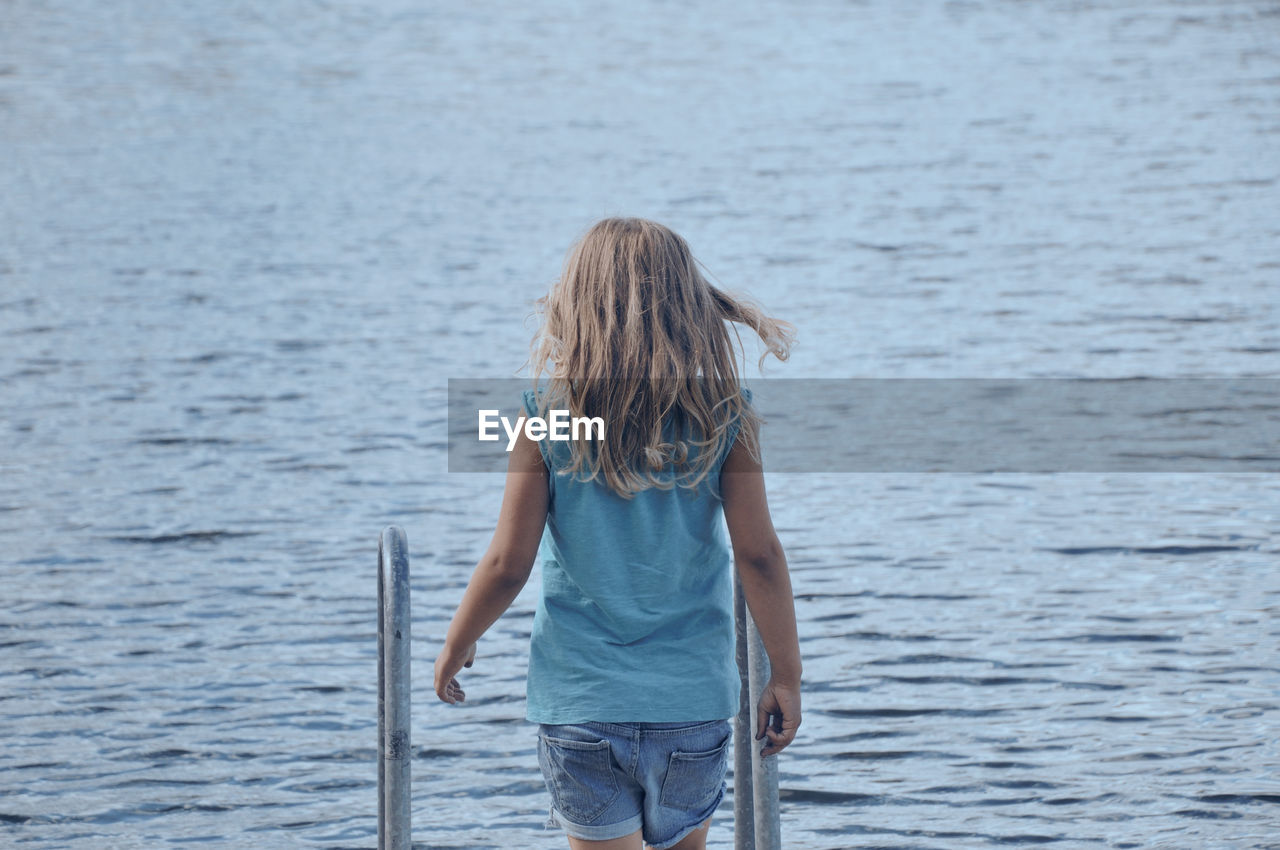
[{"x": 607, "y": 780}]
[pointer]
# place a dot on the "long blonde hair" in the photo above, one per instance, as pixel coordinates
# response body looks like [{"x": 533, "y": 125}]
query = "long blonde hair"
[{"x": 632, "y": 332}]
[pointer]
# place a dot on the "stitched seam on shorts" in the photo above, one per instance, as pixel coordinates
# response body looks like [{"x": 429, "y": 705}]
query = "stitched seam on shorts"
[
  {"x": 635, "y": 754},
  {"x": 686, "y": 730},
  {"x": 625, "y": 728}
]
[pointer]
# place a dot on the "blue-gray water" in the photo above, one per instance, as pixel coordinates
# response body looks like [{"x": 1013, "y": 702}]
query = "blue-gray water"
[{"x": 243, "y": 246}]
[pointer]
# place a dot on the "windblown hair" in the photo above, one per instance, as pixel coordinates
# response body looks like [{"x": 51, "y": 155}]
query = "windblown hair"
[{"x": 632, "y": 332}]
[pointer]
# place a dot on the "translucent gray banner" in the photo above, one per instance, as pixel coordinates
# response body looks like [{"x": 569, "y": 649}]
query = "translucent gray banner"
[{"x": 963, "y": 425}]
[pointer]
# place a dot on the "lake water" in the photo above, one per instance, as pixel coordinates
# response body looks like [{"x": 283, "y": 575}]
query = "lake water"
[{"x": 244, "y": 246}]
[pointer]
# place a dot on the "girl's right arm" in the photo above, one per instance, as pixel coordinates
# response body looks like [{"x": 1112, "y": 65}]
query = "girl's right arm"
[
  {"x": 503, "y": 570},
  {"x": 766, "y": 584}
]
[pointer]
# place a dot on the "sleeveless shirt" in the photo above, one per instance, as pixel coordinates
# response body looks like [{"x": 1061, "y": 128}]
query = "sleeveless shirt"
[{"x": 634, "y": 621}]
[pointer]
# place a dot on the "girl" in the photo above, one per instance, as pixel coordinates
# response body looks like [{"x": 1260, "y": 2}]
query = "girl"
[{"x": 631, "y": 660}]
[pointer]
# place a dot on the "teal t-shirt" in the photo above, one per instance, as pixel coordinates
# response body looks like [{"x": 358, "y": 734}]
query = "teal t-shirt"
[{"x": 635, "y": 619}]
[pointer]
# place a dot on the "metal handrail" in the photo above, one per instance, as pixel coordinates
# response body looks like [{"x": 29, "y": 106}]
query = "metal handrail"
[
  {"x": 394, "y": 755},
  {"x": 756, "y": 825},
  {"x": 755, "y": 779}
]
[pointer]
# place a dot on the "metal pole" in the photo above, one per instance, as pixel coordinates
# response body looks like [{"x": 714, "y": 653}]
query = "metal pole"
[
  {"x": 394, "y": 756},
  {"x": 743, "y": 732},
  {"x": 755, "y": 779},
  {"x": 764, "y": 771}
]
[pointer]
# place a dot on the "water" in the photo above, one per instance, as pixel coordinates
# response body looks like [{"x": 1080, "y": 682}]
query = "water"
[{"x": 243, "y": 248}]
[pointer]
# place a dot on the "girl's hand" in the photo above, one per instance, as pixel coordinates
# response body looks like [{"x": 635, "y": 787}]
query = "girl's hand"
[
  {"x": 781, "y": 704},
  {"x": 448, "y": 664}
]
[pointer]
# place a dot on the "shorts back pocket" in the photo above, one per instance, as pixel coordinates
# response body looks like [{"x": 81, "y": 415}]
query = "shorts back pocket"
[
  {"x": 694, "y": 779},
  {"x": 579, "y": 777}
]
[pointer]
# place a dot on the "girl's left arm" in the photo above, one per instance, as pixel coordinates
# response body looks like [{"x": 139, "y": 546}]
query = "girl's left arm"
[{"x": 503, "y": 570}]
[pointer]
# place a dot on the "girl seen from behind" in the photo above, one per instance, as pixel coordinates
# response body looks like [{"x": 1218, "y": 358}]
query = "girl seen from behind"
[{"x": 632, "y": 676}]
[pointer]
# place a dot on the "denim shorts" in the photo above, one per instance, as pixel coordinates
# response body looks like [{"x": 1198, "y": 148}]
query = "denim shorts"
[{"x": 607, "y": 780}]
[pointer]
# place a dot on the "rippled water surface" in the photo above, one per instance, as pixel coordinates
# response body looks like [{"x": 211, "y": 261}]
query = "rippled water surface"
[{"x": 243, "y": 246}]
